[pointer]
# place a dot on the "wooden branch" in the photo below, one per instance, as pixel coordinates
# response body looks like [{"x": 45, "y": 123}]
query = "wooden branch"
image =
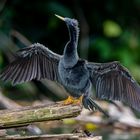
[
  {"x": 51, "y": 137},
  {"x": 26, "y": 115},
  {"x": 7, "y": 103}
]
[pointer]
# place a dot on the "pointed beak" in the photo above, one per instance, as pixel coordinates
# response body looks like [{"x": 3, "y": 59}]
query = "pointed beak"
[{"x": 62, "y": 18}]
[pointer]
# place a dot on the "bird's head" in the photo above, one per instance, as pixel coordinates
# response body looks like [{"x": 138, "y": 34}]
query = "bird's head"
[{"x": 69, "y": 21}]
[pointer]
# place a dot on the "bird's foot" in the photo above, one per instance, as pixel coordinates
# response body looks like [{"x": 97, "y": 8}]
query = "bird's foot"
[
  {"x": 71, "y": 100},
  {"x": 79, "y": 100}
]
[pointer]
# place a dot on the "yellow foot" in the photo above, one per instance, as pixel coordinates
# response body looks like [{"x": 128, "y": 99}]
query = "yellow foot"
[
  {"x": 79, "y": 100},
  {"x": 71, "y": 100}
]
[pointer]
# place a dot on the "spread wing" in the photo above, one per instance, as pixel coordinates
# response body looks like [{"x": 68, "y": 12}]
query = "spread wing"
[
  {"x": 33, "y": 62},
  {"x": 112, "y": 81}
]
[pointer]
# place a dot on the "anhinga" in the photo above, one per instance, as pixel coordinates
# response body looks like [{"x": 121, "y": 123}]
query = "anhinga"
[{"x": 111, "y": 80}]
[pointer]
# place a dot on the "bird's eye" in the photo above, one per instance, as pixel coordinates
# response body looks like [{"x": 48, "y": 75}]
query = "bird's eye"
[{"x": 74, "y": 22}]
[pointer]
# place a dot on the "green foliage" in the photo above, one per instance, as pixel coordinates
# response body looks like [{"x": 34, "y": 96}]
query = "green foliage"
[{"x": 111, "y": 29}]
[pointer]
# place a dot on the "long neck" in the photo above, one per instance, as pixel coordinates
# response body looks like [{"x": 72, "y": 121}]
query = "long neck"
[
  {"x": 73, "y": 33},
  {"x": 70, "y": 51}
]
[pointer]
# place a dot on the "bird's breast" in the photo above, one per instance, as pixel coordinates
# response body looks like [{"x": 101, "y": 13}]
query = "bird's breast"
[{"x": 75, "y": 78}]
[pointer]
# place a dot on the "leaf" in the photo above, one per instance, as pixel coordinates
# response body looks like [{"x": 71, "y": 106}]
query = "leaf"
[{"x": 111, "y": 28}]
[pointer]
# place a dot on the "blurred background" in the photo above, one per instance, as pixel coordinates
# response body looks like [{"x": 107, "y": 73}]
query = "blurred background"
[{"x": 109, "y": 30}]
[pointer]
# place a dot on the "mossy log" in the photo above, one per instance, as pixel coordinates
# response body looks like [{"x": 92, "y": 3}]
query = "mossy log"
[{"x": 26, "y": 115}]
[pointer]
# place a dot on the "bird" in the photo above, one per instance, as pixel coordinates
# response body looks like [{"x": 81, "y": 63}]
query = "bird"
[{"x": 111, "y": 80}]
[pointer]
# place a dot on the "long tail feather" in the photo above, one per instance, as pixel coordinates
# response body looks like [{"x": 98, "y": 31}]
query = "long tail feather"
[{"x": 91, "y": 105}]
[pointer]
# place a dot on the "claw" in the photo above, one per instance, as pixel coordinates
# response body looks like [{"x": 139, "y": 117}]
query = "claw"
[{"x": 79, "y": 100}]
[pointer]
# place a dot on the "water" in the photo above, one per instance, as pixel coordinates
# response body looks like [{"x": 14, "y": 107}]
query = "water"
[
  {"x": 125, "y": 136},
  {"x": 119, "y": 135}
]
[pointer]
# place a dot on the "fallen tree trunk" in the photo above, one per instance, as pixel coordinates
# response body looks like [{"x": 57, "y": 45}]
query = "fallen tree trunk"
[{"x": 26, "y": 115}]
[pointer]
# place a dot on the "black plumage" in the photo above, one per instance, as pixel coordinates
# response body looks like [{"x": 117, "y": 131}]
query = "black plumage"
[
  {"x": 111, "y": 80},
  {"x": 34, "y": 62}
]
